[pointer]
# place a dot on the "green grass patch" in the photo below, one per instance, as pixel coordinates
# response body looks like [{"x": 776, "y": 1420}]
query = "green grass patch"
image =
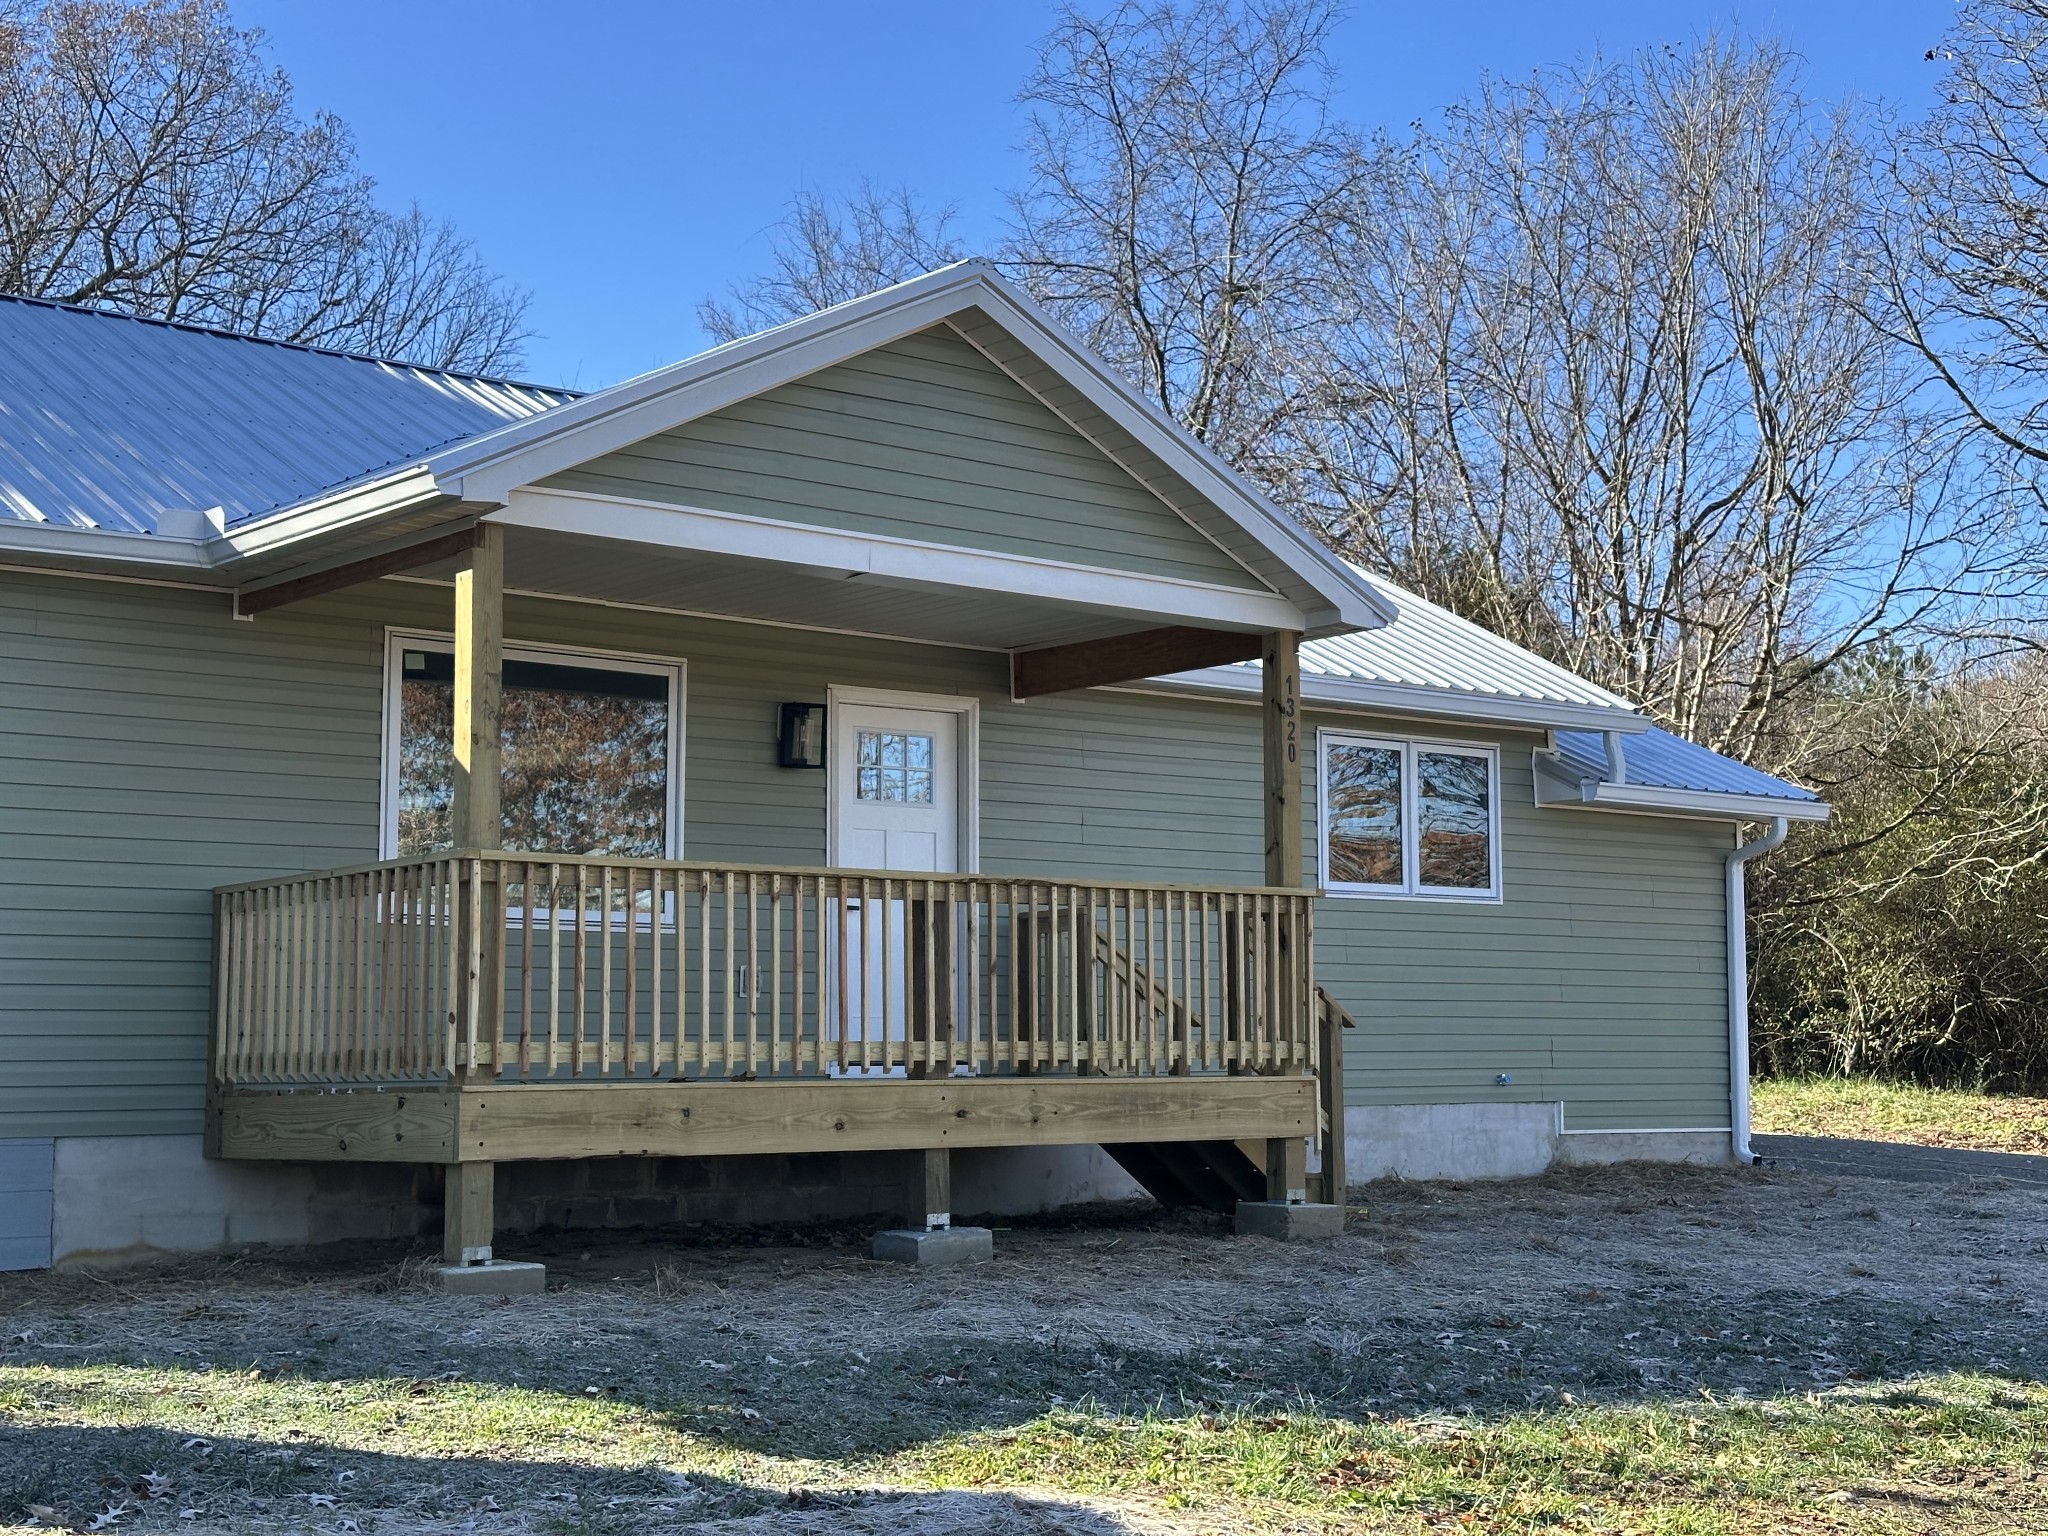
[
  {"x": 1877, "y": 1111},
  {"x": 1699, "y": 1469},
  {"x": 1710, "y": 1467}
]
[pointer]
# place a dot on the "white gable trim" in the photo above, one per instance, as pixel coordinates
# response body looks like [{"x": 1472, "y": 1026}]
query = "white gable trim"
[
  {"x": 894, "y": 561},
  {"x": 490, "y": 467}
]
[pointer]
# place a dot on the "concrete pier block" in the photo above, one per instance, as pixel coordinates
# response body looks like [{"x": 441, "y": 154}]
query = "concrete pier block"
[
  {"x": 936, "y": 1248},
  {"x": 1289, "y": 1222},
  {"x": 499, "y": 1277}
]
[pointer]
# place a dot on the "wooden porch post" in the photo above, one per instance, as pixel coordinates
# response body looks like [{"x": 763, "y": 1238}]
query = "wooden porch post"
[
  {"x": 479, "y": 688},
  {"x": 478, "y": 822},
  {"x": 1281, "y": 668}
]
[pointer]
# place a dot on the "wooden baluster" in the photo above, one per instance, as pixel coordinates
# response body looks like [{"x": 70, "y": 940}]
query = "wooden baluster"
[
  {"x": 579, "y": 996},
  {"x": 383, "y": 1056},
  {"x": 982, "y": 1060},
  {"x": 775, "y": 977},
  {"x": 604, "y": 971},
  {"x": 845, "y": 997},
  {"x": 655, "y": 1056},
  {"x": 703, "y": 972},
  {"x": 800, "y": 1041},
  {"x": 554, "y": 968},
  {"x": 629, "y": 1021},
  {"x": 753, "y": 979},
  {"x": 732, "y": 979}
]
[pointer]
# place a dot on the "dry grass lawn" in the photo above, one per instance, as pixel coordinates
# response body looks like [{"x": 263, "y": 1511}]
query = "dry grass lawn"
[
  {"x": 1927, "y": 1117},
  {"x": 1679, "y": 1352}
]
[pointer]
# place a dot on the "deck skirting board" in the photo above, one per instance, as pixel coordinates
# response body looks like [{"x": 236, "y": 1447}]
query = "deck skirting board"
[{"x": 511, "y": 1123}]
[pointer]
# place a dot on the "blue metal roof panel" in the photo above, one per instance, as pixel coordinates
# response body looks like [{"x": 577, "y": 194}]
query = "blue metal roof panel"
[
  {"x": 1427, "y": 646},
  {"x": 106, "y": 420},
  {"x": 1664, "y": 761}
]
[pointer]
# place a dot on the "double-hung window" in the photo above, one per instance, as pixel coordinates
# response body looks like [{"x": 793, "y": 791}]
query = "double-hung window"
[
  {"x": 591, "y": 749},
  {"x": 1408, "y": 818}
]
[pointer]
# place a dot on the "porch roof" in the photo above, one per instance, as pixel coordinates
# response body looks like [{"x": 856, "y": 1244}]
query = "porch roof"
[{"x": 186, "y": 473}]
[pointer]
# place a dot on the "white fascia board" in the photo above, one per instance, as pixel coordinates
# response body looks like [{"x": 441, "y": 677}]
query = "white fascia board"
[
  {"x": 1432, "y": 703},
  {"x": 59, "y": 544},
  {"x": 490, "y": 467},
  {"x": 1560, "y": 789},
  {"x": 402, "y": 491},
  {"x": 894, "y": 561}
]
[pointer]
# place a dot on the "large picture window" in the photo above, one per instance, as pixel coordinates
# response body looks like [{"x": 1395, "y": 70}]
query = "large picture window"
[
  {"x": 1408, "y": 818},
  {"x": 589, "y": 744}
]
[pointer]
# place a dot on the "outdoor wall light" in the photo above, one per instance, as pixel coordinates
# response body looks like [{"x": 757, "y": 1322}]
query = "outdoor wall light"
[{"x": 800, "y": 736}]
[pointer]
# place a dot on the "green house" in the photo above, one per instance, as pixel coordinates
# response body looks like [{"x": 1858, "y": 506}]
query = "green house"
[{"x": 877, "y": 766}]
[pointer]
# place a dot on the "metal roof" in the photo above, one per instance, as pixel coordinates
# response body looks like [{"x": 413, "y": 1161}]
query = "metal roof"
[
  {"x": 107, "y": 421},
  {"x": 1431, "y": 647},
  {"x": 1664, "y": 761}
]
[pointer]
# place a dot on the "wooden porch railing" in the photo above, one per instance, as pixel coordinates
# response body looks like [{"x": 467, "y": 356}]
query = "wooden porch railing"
[{"x": 504, "y": 968}]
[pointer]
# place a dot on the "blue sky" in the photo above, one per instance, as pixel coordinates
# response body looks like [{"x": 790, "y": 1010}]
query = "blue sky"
[{"x": 624, "y": 158}]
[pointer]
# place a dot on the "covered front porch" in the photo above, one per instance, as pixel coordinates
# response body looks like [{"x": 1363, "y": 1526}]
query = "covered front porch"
[{"x": 933, "y": 467}]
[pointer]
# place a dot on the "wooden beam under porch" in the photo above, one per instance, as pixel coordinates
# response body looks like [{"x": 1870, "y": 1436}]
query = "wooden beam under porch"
[{"x": 679, "y": 1118}]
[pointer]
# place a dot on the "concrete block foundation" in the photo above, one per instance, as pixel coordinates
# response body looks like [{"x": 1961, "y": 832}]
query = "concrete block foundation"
[
  {"x": 1289, "y": 1221},
  {"x": 939, "y": 1248},
  {"x": 499, "y": 1277}
]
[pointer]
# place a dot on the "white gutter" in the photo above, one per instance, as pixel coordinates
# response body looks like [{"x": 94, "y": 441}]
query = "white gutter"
[{"x": 1738, "y": 987}]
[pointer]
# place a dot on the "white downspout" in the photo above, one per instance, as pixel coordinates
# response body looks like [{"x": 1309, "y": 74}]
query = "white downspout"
[{"x": 1738, "y": 988}]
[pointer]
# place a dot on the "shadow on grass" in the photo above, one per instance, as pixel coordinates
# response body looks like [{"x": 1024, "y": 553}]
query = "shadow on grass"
[{"x": 149, "y": 1479}]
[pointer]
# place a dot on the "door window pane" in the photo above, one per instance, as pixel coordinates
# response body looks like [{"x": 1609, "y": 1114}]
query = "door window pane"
[
  {"x": 1454, "y": 821},
  {"x": 895, "y": 767},
  {"x": 585, "y": 757},
  {"x": 1364, "y": 785}
]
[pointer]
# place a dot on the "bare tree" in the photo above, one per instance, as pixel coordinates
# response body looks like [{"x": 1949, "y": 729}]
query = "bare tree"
[
  {"x": 1186, "y": 180},
  {"x": 151, "y": 162},
  {"x": 1967, "y": 275},
  {"x": 1605, "y": 385},
  {"x": 826, "y": 251}
]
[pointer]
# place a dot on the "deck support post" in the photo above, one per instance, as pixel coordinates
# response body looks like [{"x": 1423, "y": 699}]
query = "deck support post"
[
  {"x": 1287, "y": 1170},
  {"x": 477, "y": 809},
  {"x": 466, "y": 1220},
  {"x": 931, "y": 1189},
  {"x": 1280, "y": 668}
]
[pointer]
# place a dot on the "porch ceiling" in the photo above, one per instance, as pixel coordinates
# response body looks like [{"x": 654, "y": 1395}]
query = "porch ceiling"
[{"x": 739, "y": 587}]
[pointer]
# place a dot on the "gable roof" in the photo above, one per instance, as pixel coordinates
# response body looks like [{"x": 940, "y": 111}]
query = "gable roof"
[
  {"x": 108, "y": 421},
  {"x": 305, "y": 478},
  {"x": 999, "y": 319}
]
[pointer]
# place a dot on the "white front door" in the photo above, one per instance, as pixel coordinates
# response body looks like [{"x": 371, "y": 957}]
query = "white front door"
[
  {"x": 896, "y": 788},
  {"x": 896, "y": 802}
]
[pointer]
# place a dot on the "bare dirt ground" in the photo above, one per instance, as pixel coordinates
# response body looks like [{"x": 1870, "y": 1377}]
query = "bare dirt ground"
[{"x": 802, "y": 1379}]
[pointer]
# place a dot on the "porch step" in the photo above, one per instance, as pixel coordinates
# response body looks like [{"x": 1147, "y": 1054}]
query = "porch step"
[{"x": 1214, "y": 1175}]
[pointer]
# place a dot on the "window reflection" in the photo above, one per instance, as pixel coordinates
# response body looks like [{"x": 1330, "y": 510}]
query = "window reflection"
[
  {"x": 585, "y": 758},
  {"x": 1454, "y": 821},
  {"x": 1365, "y": 815}
]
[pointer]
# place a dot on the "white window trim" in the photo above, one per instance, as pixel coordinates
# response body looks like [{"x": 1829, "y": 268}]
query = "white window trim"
[
  {"x": 1411, "y": 829},
  {"x": 966, "y": 709},
  {"x": 397, "y": 641}
]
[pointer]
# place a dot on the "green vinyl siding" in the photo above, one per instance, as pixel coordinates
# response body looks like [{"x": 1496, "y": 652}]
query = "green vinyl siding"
[
  {"x": 152, "y": 748},
  {"x": 921, "y": 439}
]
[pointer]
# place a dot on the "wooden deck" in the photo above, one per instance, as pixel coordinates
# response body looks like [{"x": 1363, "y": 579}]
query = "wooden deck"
[{"x": 478, "y": 1008}]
